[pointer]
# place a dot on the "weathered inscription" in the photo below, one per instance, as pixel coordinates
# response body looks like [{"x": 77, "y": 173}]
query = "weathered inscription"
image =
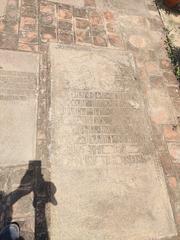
[
  {"x": 17, "y": 85},
  {"x": 94, "y": 124},
  {"x": 18, "y": 104},
  {"x": 103, "y": 156}
]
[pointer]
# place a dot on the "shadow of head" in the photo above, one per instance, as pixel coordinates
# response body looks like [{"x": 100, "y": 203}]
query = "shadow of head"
[
  {"x": 35, "y": 180},
  {"x": 50, "y": 192}
]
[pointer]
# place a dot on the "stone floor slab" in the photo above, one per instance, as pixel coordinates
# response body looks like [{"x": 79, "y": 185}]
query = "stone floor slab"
[
  {"x": 3, "y": 4},
  {"x": 116, "y": 5},
  {"x": 76, "y": 3},
  {"x": 18, "y": 103},
  {"x": 104, "y": 163}
]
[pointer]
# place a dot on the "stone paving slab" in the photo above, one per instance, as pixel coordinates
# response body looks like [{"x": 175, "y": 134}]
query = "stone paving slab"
[
  {"x": 120, "y": 4},
  {"x": 3, "y": 5},
  {"x": 76, "y": 3},
  {"x": 102, "y": 150},
  {"x": 18, "y": 103}
]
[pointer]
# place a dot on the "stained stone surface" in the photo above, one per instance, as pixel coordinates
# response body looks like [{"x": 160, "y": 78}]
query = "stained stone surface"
[
  {"x": 18, "y": 103},
  {"x": 77, "y": 3},
  {"x": 104, "y": 163},
  {"x": 3, "y": 4}
]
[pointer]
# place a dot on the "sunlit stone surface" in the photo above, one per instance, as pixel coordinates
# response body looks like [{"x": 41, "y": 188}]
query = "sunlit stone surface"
[
  {"x": 104, "y": 163},
  {"x": 3, "y": 4},
  {"x": 77, "y": 3},
  {"x": 18, "y": 103},
  {"x": 121, "y": 5}
]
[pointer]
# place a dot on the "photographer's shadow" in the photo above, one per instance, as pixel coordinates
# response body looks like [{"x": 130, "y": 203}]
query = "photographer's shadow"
[{"x": 44, "y": 191}]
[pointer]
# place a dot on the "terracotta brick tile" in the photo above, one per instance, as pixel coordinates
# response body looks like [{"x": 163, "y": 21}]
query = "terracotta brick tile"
[
  {"x": 48, "y": 33},
  {"x": 64, "y": 37},
  {"x": 65, "y": 12},
  {"x": 28, "y": 37},
  {"x": 2, "y": 26},
  {"x": 165, "y": 64},
  {"x": 11, "y": 15},
  {"x": 167, "y": 164},
  {"x": 152, "y": 68},
  {"x": 160, "y": 108},
  {"x": 83, "y": 36},
  {"x": 176, "y": 103},
  {"x": 174, "y": 92},
  {"x": 29, "y": 11},
  {"x": 138, "y": 41},
  {"x": 152, "y": 7},
  {"x": 95, "y": 18},
  {"x": 28, "y": 2},
  {"x": 12, "y": 3},
  {"x": 90, "y": 3},
  {"x": 82, "y": 23},
  {"x": 47, "y": 19},
  {"x": 171, "y": 132},
  {"x": 155, "y": 24},
  {"x": 65, "y": 26},
  {"x": 8, "y": 41},
  {"x": 177, "y": 218},
  {"x": 100, "y": 40},
  {"x": 172, "y": 182},
  {"x": 47, "y": 7},
  {"x": 108, "y": 15},
  {"x": 28, "y": 23},
  {"x": 110, "y": 28},
  {"x": 176, "y": 166},
  {"x": 11, "y": 28},
  {"x": 80, "y": 12},
  {"x": 174, "y": 150},
  {"x": 98, "y": 30},
  {"x": 116, "y": 41},
  {"x": 156, "y": 82},
  {"x": 170, "y": 78}
]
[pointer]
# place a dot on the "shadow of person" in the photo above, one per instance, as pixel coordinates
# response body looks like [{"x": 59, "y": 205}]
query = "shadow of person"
[{"x": 44, "y": 191}]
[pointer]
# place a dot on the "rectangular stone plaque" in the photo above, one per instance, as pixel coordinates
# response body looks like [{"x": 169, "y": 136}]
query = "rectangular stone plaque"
[
  {"x": 104, "y": 163},
  {"x": 3, "y": 4},
  {"x": 18, "y": 106},
  {"x": 76, "y": 3}
]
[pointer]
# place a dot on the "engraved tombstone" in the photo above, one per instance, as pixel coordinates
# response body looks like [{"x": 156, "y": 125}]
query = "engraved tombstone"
[
  {"x": 18, "y": 107},
  {"x": 104, "y": 163}
]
